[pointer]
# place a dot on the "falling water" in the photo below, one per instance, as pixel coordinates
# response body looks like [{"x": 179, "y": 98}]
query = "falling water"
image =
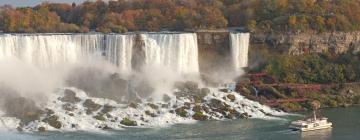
[
  {"x": 48, "y": 50},
  {"x": 239, "y": 49},
  {"x": 178, "y": 51}
]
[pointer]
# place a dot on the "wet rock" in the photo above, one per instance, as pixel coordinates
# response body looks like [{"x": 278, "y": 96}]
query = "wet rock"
[
  {"x": 133, "y": 105},
  {"x": 153, "y": 106},
  {"x": 165, "y": 105},
  {"x": 181, "y": 111},
  {"x": 166, "y": 98},
  {"x": 206, "y": 109},
  {"x": 204, "y": 92},
  {"x": 49, "y": 111},
  {"x": 22, "y": 108},
  {"x": 244, "y": 115},
  {"x": 106, "y": 128},
  {"x": 231, "y": 97},
  {"x": 53, "y": 121},
  {"x": 91, "y": 106},
  {"x": 71, "y": 114},
  {"x": 147, "y": 112},
  {"x": 19, "y": 129},
  {"x": 217, "y": 104},
  {"x": 68, "y": 107},
  {"x": 128, "y": 122},
  {"x": 199, "y": 116},
  {"x": 70, "y": 97},
  {"x": 107, "y": 108},
  {"x": 187, "y": 105},
  {"x": 41, "y": 129},
  {"x": 197, "y": 108},
  {"x": 100, "y": 117}
]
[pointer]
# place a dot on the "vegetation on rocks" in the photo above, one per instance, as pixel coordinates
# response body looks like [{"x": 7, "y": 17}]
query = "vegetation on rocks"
[{"x": 128, "y": 122}]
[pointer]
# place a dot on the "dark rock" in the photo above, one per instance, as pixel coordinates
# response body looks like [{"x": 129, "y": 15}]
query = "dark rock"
[
  {"x": 206, "y": 109},
  {"x": 133, "y": 105},
  {"x": 100, "y": 117},
  {"x": 204, "y": 92},
  {"x": 166, "y": 98},
  {"x": 217, "y": 104},
  {"x": 107, "y": 108},
  {"x": 147, "y": 112},
  {"x": 42, "y": 129},
  {"x": 49, "y": 111},
  {"x": 231, "y": 97},
  {"x": 153, "y": 106},
  {"x": 244, "y": 115},
  {"x": 22, "y": 108},
  {"x": 187, "y": 105},
  {"x": 181, "y": 111},
  {"x": 91, "y": 106},
  {"x": 165, "y": 105},
  {"x": 106, "y": 128},
  {"x": 53, "y": 121},
  {"x": 70, "y": 97},
  {"x": 68, "y": 107},
  {"x": 19, "y": 129},
  {"x": 197, "y": 108}
]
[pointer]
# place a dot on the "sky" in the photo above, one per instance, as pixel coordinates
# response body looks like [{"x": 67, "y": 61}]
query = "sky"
[{"x": 20, "y": 3}]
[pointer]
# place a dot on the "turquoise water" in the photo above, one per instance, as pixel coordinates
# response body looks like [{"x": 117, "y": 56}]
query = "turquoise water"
[{"x": 346, "y": 122}]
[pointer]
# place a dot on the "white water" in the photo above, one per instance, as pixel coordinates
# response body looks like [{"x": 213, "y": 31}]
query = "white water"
[
  {"x": 48, "y": 50},
  {"x": 119, "y": 51},
  {"x": 177, "y": 51},
  {"x": 239, "y": 50}
]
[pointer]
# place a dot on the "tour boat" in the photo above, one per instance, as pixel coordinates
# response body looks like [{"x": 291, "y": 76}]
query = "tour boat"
[{"x": 310, "y": 124}]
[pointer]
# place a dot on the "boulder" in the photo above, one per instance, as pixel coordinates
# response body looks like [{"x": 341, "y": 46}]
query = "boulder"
[
  {"x": 153, "y": 106},
  {"x": 91, "y": 106},
  {"x": 53, "y": 121},
  {"x": 231, "y": 97},
  {"x": 166, "y": 98},
  {"x": 107, "y": 108},
  {"x": 100, "y": 117},
  {"x": 181, "y": 111},
  {"x": 70, "y": 97}
]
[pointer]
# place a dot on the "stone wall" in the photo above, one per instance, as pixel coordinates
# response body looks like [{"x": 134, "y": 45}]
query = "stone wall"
[
  {"x": 214, "y": 51},
  {"x": 297, "y": 44}
]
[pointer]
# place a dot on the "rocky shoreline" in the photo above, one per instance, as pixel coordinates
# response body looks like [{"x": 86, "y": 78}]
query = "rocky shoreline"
[{"x": 70, "y": 109}]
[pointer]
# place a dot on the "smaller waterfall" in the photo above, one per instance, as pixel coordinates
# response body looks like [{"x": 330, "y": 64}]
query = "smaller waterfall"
[
  {"x": 239, "y": 49},
  {"x": 177, "y": 51}
]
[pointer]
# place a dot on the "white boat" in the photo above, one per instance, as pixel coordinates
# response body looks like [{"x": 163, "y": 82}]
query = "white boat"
[{"x": 311, "y": 124}]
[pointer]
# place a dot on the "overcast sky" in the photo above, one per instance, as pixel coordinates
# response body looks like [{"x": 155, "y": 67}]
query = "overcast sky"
[{"x": 17, "y": 3}]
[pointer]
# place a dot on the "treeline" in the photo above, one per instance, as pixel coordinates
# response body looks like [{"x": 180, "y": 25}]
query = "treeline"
[{"x": 179, "y": 15}]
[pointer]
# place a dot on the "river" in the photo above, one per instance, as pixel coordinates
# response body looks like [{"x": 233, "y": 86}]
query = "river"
[{"x": 346, "y": 126}]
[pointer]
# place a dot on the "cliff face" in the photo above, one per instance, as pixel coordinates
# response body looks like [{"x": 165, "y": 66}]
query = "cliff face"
[
  {"x": 214, "y": 51},
  {"x": 297, "y": 44}
]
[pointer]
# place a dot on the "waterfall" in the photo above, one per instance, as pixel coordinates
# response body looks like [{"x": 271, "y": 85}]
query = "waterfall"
[
  {"x": 48, "y": 50},
  {"x": 118, "y": 50},
  {"x": 177, "y": 51},
  {"x": 239, "y": 49}
]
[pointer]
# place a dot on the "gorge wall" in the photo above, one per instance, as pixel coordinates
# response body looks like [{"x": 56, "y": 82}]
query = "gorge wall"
[{"x": 303, "y": 43}]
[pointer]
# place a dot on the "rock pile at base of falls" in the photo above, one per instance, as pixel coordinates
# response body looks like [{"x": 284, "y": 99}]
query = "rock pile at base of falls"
[{"x": 72, "y": 109}]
